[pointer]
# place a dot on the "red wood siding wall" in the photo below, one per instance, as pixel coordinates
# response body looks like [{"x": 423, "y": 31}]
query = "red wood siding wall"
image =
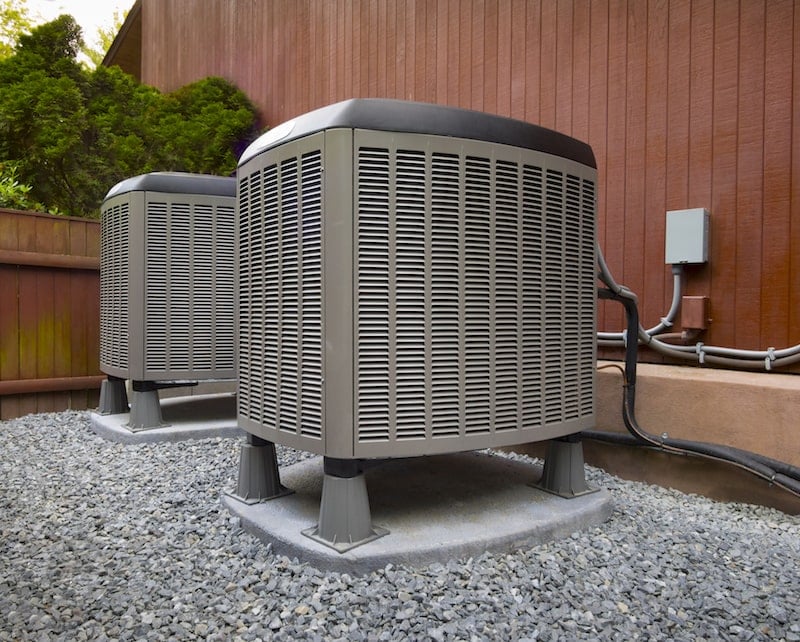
[
  {"x": 686, "y": 104},
  {"x": 49, "y": 313}
]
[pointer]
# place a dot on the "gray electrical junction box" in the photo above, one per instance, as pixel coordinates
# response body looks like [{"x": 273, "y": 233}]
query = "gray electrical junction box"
[{"x": 686, "y": 236}]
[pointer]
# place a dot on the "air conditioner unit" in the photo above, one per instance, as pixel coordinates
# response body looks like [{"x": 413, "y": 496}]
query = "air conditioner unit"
[
  {"x": 167, "y": 279},
  {"x": 414, "y": 279}
]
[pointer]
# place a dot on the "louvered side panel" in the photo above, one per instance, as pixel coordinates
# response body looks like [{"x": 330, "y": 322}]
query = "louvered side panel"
[
  {"x": 310, "y": 276},
  {"x": 553, "y": 304},
  {"x": 474, "y": 292},
  {"x": 289, "y": 296},
  {"x": 280, "y": 297},
  {"x": 571, "y": 288},
  {"x": 188, "y": 287},
  {"x": 478, "y": 292},
  {"x": 372, "y": 274},
  {"x": 114, "y": 286},
  {"x": 507, "y": 305},
  {"x": 532, "y": 296},
  {"x": 445, "y": 302},
  {"x": 158, "y": 291},
  {"x": 256, "y": 363},
  {"x": 244, "y": 231},
  {"x": 179, "y": 284},
  {"x": 201, "y": 268},
  {"x": 588, "y": 298},
  {"x": 410, "y": 291},
  {"x": 223, "y": 357}
]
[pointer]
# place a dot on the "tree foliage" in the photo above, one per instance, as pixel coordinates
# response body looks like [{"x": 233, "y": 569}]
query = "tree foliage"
[
  {"x": 72, "y": 133},
  {"x": 105, "y": 38},
  {"x": 14, "y": 20}
]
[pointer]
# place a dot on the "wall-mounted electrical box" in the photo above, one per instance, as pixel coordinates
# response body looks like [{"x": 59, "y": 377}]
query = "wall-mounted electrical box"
[
  {"x": 694, "y": 312},
  {"x": 686, "y": 236}
]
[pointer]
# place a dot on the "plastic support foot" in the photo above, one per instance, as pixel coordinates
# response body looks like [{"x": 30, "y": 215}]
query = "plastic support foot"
[
  {"x": 259, "y": 479},
  {"x": 113, "y": 397},
  {"x": 145, "y": 410},
  {"x": 344, "y": 516},
  {"x": 563, "y": 473}
]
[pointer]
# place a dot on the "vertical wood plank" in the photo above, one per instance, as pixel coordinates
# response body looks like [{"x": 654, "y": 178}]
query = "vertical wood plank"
[
  {"x": 92, "y": 289},
  {"x": 548, "y": 70},
  {"x": 777, "y": 221},
  {"x": 636, "y": 215},
  {"x": 563, "y": 77},
  {"x": 478, "y": 55},
  {"x": 794, "y": 301},
  {"x": 598, "y": 130},
  {"x": 616, "y": 171},
  {"x": 61, "y": 302},
  {"x": 27, "y": 404},
  {"x": 750, "y": 165},
  {"x": 9, "y": 407},
  {"x": 453, "y": 51},
  {"x": 581, "y": 70},
  {"x": 517, "y": 50},
  {"x": 533, "y": 61},
  {"x": 391, "y": 50},
  {"x": 45, "y": 323},
  {"x": 26, "y": 234},
  {"x": 410, "y": 73},
  {"x": 380, "y": 36},
  {"x": 79, "y": 309},
  {"x": 28, "y": 322},
  {"x": 725, "y": 121},
  {"x": 701, "y": 127},
  {"x": 9, "y": 323},
  {"x": 505, "y": 34},
  {"x": 429, "y": 82},
  {"x": 9, "y": 233},
  {"x": 489, "y": 58},
  {"x": 656, "y": 278},
  {"x": 465, "y": 57}
]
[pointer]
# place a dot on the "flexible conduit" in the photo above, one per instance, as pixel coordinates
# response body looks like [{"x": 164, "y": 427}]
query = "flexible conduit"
[
  {"x": 778, "y": 473},
  {"x": 700, "y": 353}
]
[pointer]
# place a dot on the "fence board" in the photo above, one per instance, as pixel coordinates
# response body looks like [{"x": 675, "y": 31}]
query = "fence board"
[{"x": 49, "y": 320}]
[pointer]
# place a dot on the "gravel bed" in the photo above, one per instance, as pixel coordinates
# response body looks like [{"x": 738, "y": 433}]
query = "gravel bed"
[{"x": 104, "y": 541}]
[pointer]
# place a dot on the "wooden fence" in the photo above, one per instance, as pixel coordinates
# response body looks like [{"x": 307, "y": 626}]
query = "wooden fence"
[{"x": 49, "y": 313}]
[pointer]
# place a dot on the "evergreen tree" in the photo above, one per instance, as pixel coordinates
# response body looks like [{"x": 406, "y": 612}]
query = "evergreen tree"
[{"x": 71, "y": 133}]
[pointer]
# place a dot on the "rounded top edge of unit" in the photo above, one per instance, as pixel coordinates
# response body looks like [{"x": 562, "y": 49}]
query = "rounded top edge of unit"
[
  {"x": 176, "y": 183},
  {"x": 403, "y": 116}
]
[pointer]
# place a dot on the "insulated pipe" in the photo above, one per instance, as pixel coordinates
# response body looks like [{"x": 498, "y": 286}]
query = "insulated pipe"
[
  {"x": 701, "y": 353},
  {"x": 618, "y": 338},
  {"x": 626, "y": 439},
  {"x": 732, "y": 456}
]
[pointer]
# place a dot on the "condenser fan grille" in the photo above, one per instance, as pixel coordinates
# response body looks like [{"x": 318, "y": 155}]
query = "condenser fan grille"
[{"x": 464, "y": 324}]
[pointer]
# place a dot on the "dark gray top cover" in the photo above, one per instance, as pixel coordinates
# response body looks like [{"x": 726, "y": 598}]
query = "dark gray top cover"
[
  {"x": 424, "y": 118},
  {"x": 176, "y": 183}
]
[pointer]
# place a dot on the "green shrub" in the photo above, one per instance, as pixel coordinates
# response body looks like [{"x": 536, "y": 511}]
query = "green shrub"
[{"x": 72, "y": 133}]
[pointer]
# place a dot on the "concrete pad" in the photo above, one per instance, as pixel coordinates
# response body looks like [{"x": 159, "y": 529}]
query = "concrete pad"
[
  {"x": 194, "y": 417},
  {"x": 435, "y": 508}
]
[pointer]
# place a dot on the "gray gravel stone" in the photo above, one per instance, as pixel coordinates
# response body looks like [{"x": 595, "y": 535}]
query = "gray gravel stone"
[{"x": 102, "y": 541}]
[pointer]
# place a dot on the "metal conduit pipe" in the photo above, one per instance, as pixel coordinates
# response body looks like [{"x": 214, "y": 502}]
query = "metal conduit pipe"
[
  {"x": 618, "y": 338},
  {"x": 701, "y": 353},
  {"x": 733, "y": 456}
]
